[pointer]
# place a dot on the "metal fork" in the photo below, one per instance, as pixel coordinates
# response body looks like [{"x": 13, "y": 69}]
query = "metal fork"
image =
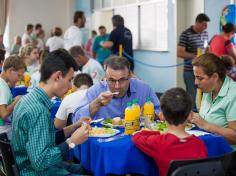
[{"x": 111, "y": 138}]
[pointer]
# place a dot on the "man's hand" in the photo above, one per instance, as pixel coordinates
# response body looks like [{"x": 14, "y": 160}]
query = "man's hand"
[
  {"x": 105, "y": 97},
  {"x": 80, "y": 135},
  {"x": 199, "y": 121}
]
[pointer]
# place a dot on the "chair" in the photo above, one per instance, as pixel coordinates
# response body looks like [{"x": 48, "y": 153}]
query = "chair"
[
  {"x": 215, "y": 166},
  {"x": 9, "y": 167}
]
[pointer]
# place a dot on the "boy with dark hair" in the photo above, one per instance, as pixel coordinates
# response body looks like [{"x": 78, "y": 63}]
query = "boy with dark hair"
[
  {"x": 176, "y": 143},
  {"x": 81, "y": 82},
  {"x": 39, "y": 150},
  {"x": 2, "y": 57}
]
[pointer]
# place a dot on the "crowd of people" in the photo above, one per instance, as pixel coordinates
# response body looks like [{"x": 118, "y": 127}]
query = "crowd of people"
[{"x": 103, "y": 84}]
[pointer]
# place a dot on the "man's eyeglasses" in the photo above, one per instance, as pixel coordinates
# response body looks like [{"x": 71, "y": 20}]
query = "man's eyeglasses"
[{"x": 120, "y": 81}]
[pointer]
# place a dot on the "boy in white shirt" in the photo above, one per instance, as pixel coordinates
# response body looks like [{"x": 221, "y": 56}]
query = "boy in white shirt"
[{"x": 81, "y": 82}]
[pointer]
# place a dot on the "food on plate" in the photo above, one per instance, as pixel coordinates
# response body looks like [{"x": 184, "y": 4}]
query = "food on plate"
[
  {"x": 189, "y": 125},
  {"x": 107, "y": 120},
  {"x": 117, "y": 121},
  {"x": 96, "y": 131}
]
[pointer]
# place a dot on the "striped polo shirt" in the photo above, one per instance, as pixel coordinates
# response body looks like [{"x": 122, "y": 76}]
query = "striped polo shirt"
[{"x": 192, "y": 40}]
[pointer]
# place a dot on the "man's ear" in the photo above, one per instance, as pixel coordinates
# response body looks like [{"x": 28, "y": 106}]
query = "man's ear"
[
  {"x": 161, "y": 116},
  {"x": 57, "y": 75}
]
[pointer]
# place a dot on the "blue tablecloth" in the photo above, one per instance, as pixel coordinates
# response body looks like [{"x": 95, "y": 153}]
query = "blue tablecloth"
[
  {"x": 121, "y": 156},
  {"x": 19, "y": 91}
]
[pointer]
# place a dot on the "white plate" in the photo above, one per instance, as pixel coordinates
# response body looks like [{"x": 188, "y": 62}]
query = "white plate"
[
  {"x": 197, "y": 132},
  {"x": 111, "y": 125},
  {"x": 114, "y": 132}
]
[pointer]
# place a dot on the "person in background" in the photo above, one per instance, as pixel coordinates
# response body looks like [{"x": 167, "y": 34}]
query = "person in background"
[
  {"x": 81, "y": 83},
  {"x": 13, "y": 71},
  {"x": 73, "y": 35},
  {"x": 120, "y": 35},
  {"x": 176, "y": 143},
  {"x": 190, "y": 40},
  {"x": 16, "y": 46},
  {"x": 88, "y": 47},
  {"x": 26, "y": 37},
  {"x": 30, "y": 55},
  {"x": 35, "y": 77},
  {"x": 2, "y": 46},
  {"x": 217, "y": 113},
  {"x": 38, "y": 148},
  {"x": 100, "y": 53},
  {"x": 40, "y": 40},
  {"x": 55, "y": 42},
  {"x": 37, "y": 28},
  {"x": 2, "y": 57},
  {"x": 100, "y": 100},
  {"x": 89, "y": 65}
]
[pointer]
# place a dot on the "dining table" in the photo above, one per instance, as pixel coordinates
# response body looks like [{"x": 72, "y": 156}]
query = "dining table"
[{"x": 121, "y": 156}]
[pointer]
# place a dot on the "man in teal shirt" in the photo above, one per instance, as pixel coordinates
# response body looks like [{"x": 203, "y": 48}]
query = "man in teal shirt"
[
  {"x": 39, "y": 150},
  {"x": 100, "y": 53}
]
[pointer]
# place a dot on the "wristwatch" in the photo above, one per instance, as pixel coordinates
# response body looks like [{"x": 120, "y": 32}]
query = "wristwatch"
[{"x": 70, "y": 144}]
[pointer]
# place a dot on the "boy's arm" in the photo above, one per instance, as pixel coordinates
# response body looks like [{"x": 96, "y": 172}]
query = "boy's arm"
[
  {"x": 6, "y": 110},
  {"x": 146, "y": 141}
]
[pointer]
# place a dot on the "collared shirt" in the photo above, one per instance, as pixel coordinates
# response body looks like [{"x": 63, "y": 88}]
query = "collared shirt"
[
  {"x": 138, "y": 90},
  {"x": 222, "y": 109},
  {"x": 192, "y": 40},
  {"x": 33, "y": 135},
  {"x": 72, "y": 37}
]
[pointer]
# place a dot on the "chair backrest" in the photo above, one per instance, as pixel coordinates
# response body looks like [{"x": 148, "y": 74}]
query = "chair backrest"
[
  {"x": 8, "y": 158},
  {"x": 210, "y": 168},
  {"x": 224, "y": 162}
]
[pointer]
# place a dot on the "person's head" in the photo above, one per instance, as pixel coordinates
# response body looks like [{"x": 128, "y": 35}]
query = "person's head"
[
  {"x": 29, "y": 28},
  {"x": 102, "y": 30},
  {"x": 42, "y": 55},
  {"x": 118, "y": 74},
  {"x": 176, "y": 105},
  {"x": 57, "y": 31},
  {"x": 93, "y": 33},
  {"x": 82, "y": 81},
  {"x": 30, "y": 51},
  {"x": 201, "y": 22},
  {"x": 78, "y": 54},
  {"x": 79, "y": 19},
  {"x": 2, "y": 57},
  {"x": 228, "y": 30},
  {"x": 210, "y": 71},
  {"x": 117, "y": 20},
  {"x": 38, "y": 27},
  {"x": 57, "y": 70},
  {"x": 18, "y": 40},
  {"x": 13, "y": 69}
]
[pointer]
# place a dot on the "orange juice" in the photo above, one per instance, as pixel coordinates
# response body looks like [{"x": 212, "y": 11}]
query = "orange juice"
[
  {"x": 27, "y": 79},
  {"x": 129, "y": 120},
  {"x": 137, "y": 113},
  {"x": 148, "y": 109}
]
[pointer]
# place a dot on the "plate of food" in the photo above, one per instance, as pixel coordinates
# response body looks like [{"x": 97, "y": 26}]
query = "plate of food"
[
  {"x": 103, "y": 132},
  {"x": 162, "y": 126},
  {"x": 115, "y": 122}
]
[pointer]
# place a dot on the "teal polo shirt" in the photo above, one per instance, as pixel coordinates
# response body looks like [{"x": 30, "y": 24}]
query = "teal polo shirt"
[{"x": 222, "y": 109}]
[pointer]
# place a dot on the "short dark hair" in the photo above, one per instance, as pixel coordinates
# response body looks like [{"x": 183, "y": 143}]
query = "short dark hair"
[
  {"x": 202, "y": 17},
  {"x": 228, "y": 28},
  {"x": 101, "y": 27},
  {"x": 176, "y": 105},
  {"x": 77, "y": 15},
  {"x": 117, "y": 63},
  {"x": 77, "y": 50},
  {"x": 14, "y": 62},
  {"x": 117, "y": 20},
  {"x": 38, "y": 26},
  {"x": 29, "y": 26},
  {"x": 58, "y": 60},
  {"x": 83, "y": 79},
  {"x": 2, "y": 54},
  {"x": 57, "y": 31}
]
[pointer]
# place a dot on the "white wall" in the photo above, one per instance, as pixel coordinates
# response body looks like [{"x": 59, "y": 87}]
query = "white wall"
[{"x": 49, "y": 13}]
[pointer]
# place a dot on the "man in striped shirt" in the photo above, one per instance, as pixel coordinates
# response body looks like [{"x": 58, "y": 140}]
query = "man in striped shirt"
[{"x": 190, "y": 40}]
